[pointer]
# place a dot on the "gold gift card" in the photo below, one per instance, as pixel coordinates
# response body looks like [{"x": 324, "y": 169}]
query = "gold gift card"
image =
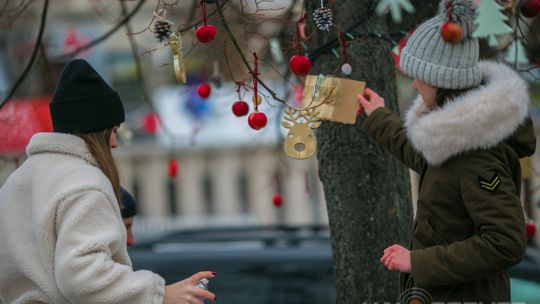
[{"x": 337, "y": 95}]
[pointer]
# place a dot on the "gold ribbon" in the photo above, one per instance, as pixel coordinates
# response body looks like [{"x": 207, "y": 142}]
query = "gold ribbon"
[{"x": 178, "y": 58}]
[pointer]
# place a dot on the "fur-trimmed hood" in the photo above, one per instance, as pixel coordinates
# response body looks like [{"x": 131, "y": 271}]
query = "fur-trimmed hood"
[{"x": 480, "y": 119}]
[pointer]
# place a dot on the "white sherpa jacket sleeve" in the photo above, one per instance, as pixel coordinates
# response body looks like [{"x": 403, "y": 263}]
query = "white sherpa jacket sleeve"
[{"x": 87, "y": 240}]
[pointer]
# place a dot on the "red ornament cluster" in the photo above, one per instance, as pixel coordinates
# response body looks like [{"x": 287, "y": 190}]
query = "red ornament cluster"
[
  {"x": 206, "y": 33},
  {"x": 300, "y": 65},
  {"x": 277, "y": 200},
  {"x": 530, "y": 8},
  {"x": 240, "y": 108},
  {"x": 257, "y": 120},
  {"x": 204, "y": 90},
  {"x": 173, "y": 168},
  {"x": 150, "y": 123}
]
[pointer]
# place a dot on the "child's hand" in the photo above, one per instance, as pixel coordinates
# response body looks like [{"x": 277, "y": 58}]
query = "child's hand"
[
  {"x": 369, "y": 101},
  {"x": 397, "y": 258}
]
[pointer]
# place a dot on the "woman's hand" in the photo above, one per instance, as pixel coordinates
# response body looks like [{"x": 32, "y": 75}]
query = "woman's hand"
[
  {"x": 186, "y": 292},
  {"x": 369, "y": 102},
  {"x": 397, "y": 258}
]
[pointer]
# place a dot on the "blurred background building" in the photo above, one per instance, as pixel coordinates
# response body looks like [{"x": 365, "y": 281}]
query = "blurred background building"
[{"x": 228, "y": 174}]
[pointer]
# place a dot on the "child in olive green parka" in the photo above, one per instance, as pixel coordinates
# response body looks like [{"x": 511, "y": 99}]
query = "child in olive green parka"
[{"x": 464, "y": 135}]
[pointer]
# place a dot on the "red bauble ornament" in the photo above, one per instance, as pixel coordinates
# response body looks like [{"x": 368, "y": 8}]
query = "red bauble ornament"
[
  {"x": 300, "y": 65},
  {"x": 173, "y": 168},
  {"x": 204, "y": 90},
  {"x": 530, "y": 8},
  {"x": 451, "y": 32},
  {"x": 150, "y": 123},
  {"x": 277, "y": 200},
  {"x": 206, "y": 33},
  {"x": 530, "y": 227},
  {"x": 240, "y": 108},
  {"x": 257, "y": 120}
]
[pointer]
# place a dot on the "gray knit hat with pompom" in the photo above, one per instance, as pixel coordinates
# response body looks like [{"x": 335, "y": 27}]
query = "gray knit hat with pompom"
[{"x": 428, "y": 58}]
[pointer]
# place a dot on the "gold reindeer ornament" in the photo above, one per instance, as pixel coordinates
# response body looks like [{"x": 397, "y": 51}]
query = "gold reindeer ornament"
[{"x": 300, "y": 142}]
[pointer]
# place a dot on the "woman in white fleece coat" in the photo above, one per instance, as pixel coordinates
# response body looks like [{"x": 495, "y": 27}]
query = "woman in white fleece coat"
[{"x": 63, "y": 239}]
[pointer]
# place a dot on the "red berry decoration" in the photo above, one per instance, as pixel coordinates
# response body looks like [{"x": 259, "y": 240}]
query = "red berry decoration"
[
  {"x": 150, "y": 123},
  {"x": 451, "y": 32},
  {"x": 530, "y": 8},
  {"x": 530, "y": 227},
  {"x": 206, "y": 33},
  {"x": 240, "y": 108},
  {"x": 173, "y": 168},
  {"x": 277, "y": 200},
  {"x": 204, "y": 90},
  {"x": 300, "y": 65},
  {"x": 257, "y": 120}
]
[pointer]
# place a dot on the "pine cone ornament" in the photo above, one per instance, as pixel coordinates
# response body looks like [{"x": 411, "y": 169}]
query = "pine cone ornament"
[
  {"x": 162, "y": 30},
  {"x": 323, "y": 18}
]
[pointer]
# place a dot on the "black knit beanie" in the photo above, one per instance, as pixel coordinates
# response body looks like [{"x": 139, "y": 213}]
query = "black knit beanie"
[
  {"x": 130, "y": 208},
  {"x": 83, "y": 102}
]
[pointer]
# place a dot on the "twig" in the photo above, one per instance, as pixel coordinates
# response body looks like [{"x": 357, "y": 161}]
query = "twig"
[
  {"x": 246, "y": 63},
  {"x": 107, "y": 34},
  {"x": 32, "y": 58},
  {"x": 138, "y": 69}
]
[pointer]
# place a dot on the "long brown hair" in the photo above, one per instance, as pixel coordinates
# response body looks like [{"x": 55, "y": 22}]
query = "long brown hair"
[{"x": 99, "y": 146}]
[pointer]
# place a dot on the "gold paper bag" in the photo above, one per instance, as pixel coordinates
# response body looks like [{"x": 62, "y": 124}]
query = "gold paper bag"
[{"x": 338, "y": 95}]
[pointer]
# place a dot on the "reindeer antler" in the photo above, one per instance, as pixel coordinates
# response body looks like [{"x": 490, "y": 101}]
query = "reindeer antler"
[
  {"x": 310, "y": 116},
  {"x": 290, "y": 115}
]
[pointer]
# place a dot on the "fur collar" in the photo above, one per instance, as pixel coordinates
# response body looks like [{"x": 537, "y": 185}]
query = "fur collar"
[
  {"x": 479, "y": 119},
  {"x": 61, "y": 143}
]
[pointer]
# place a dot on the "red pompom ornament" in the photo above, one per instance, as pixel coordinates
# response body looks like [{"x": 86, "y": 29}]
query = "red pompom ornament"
[
  {"x": 530, "y": 227},
  {"x": 206, "y": 33},
  {"x": 150, "y": 123},
  {"x": 240, "y": 108},
  {"x": 173, "y": 168},
  {"x": 530, "y": 8},
  {"x": 204, "y": 90},
  {"x": 257, "y": 120},
  {"x": 300, "y": 65},
  {"x": 277, "y": 200},
  {"x": 451, "y": 32}
]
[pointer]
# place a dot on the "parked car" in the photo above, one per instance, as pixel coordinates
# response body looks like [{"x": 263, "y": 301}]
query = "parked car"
[
  {"x": 268, "y": 265},
  {"x": 253, "y": 264}
]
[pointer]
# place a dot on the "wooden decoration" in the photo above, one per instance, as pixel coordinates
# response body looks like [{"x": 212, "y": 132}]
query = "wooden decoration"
[
  {"x": 335, "y": 98},
  {"x": 300, "y": 142}
]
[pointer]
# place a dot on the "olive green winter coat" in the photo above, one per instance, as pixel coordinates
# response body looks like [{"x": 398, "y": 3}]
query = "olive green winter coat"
[{"x": 469, "y": 226}]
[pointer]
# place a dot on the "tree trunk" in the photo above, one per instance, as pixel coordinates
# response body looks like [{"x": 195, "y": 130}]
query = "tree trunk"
[{"x": 367, "y": 191}]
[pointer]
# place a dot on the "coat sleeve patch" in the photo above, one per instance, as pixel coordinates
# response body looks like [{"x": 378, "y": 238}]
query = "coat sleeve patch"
[{"x": 490, "y": 184}]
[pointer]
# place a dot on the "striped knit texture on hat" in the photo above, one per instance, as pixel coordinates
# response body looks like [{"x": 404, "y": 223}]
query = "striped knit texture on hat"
[{"x": 428, "y": 58}]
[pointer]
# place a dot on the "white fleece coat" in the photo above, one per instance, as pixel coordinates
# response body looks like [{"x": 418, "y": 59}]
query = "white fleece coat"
[{"x": 63, "y": 240}]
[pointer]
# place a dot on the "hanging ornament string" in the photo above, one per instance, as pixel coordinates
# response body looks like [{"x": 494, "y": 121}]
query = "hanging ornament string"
[
  {"x": 202, "y": 5},
  {"x": 255, "y": 82},
  {"x": 346, "y": 68},
  {"x": 300, "y": 33},
  {"x": 343, "y": 44},
  {"x": 238, "y": 86}
]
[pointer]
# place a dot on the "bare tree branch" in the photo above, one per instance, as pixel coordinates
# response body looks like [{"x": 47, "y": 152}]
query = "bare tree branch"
[
  {"x": 32, "y": 57},
  {"x": 246, "y": 63},
  {"x": 106, "y": 35}
]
